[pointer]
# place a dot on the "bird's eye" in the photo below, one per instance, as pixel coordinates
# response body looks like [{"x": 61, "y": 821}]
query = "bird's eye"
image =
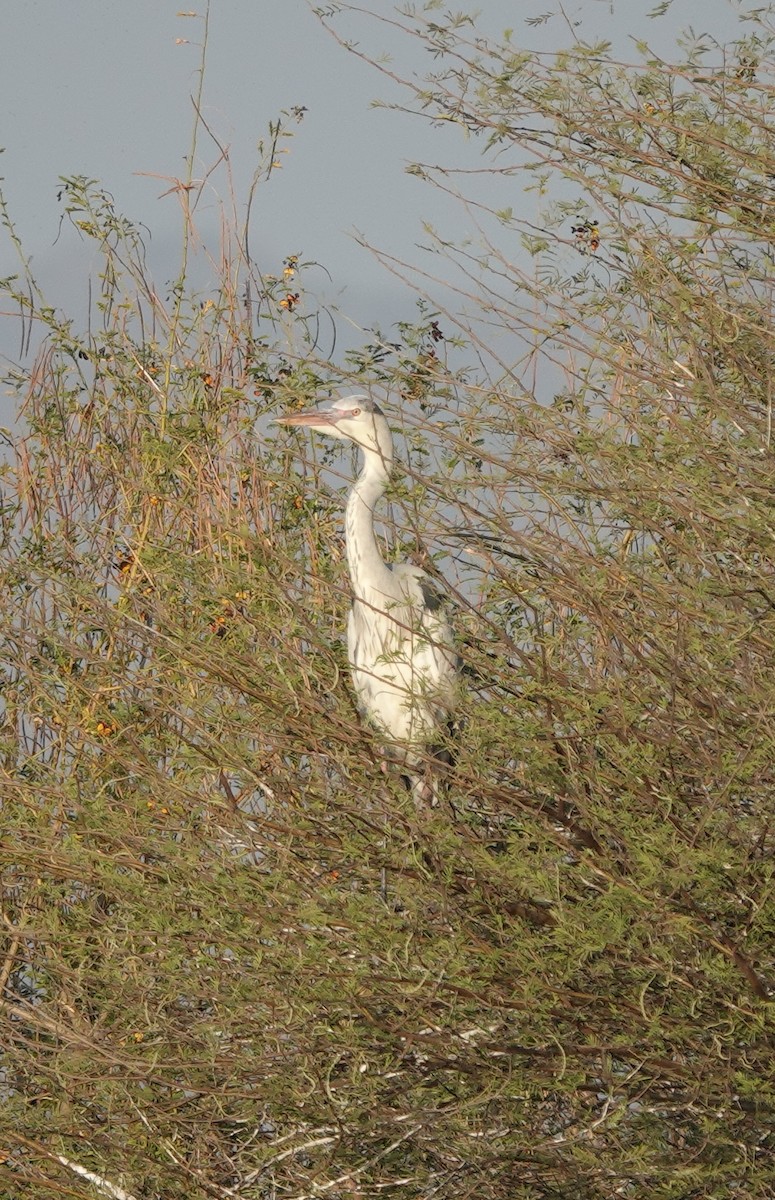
[{"x": 355, "y": 412}]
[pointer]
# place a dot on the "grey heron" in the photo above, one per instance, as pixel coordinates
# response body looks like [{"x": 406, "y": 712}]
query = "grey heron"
[{"x": 402, "y": 658}]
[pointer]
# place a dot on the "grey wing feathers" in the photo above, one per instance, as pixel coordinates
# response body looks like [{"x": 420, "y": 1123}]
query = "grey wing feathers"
[
  {"x": 418, "y": 587},
  {"x": 403, "y": 659},
  {"x": 426, "y": 595},
  {"x": 433, "y": 598}
]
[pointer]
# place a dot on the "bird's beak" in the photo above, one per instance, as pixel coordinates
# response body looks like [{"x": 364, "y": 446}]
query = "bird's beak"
[{"x": 317, "y": 417}]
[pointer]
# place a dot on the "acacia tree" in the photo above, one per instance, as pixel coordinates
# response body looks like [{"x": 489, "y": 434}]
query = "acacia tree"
[{"x": 237, "y": 960}]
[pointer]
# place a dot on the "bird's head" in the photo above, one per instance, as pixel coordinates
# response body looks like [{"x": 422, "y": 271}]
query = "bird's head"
[{"x": 353, "y": 418}]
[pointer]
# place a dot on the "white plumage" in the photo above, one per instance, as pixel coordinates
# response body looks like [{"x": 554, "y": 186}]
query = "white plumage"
[{"x": 400, "y": 645}]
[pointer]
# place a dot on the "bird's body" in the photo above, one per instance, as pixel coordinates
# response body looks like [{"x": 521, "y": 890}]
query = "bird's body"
[{"x": 400, "y": 645}]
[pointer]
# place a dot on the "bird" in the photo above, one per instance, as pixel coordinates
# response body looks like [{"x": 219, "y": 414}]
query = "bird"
[{"x": 400, "y": 644}]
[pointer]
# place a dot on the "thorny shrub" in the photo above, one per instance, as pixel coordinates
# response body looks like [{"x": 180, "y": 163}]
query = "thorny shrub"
[{"x": 237, "y": 961}]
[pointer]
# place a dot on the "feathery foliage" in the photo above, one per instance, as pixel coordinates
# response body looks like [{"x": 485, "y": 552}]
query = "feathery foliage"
[{"x": 236, "y": 960}]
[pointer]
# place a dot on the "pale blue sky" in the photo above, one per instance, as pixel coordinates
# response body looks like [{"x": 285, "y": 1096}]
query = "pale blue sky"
[{"x": 102, "y": 88}]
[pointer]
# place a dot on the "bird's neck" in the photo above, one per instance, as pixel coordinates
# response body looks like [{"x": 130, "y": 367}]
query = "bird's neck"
[{"x": 368, "y": 571}]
